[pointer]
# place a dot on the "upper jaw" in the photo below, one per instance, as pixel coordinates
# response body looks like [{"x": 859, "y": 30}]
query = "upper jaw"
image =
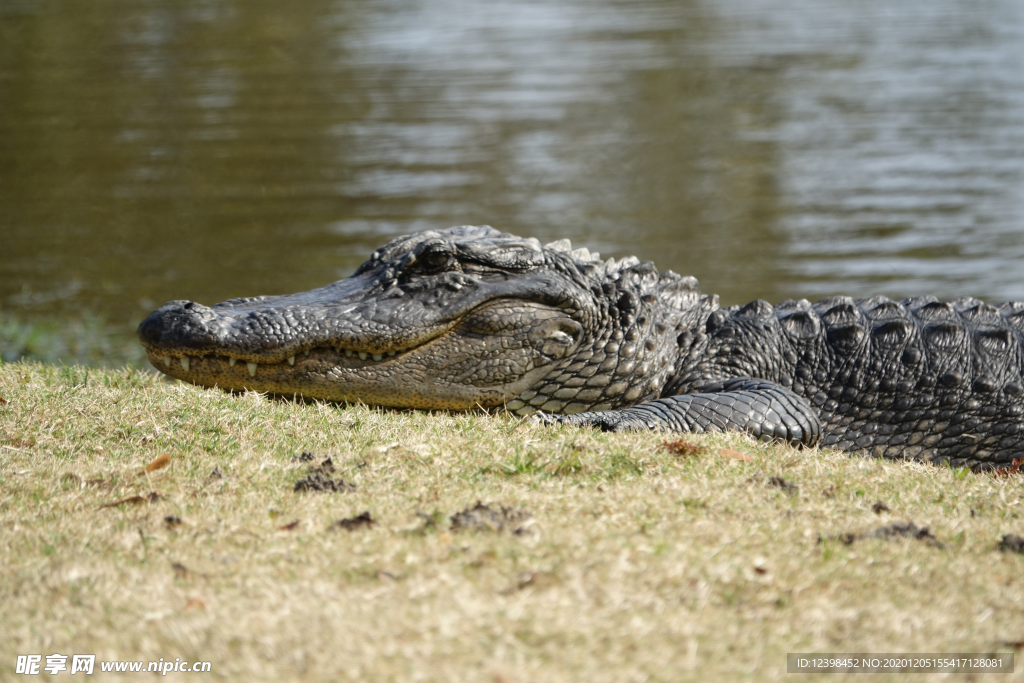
[
  {"x": 185, "y": 329},
  {"x": 355, "y": 316}
]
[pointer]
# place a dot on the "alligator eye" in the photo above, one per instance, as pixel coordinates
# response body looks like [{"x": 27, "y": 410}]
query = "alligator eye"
[
  {"x": 436, "y": 260},
  {"x": 431, "y": 259}
]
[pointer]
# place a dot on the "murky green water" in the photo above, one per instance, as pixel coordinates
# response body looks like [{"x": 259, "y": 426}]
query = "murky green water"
[{"x": 204, "y": 149}]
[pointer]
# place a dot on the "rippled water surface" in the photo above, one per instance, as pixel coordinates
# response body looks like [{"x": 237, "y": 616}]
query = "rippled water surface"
[{"x": 155, "y": 150}]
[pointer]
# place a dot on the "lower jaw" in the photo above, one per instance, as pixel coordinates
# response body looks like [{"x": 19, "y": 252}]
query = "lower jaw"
[{"x": 311, "y": 377}]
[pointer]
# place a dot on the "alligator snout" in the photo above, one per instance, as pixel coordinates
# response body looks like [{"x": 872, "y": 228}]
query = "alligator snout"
[{"x": 179, "y": 325}]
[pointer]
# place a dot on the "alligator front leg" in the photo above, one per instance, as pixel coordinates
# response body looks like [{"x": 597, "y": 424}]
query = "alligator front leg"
[{"x": 760, "y": 407}]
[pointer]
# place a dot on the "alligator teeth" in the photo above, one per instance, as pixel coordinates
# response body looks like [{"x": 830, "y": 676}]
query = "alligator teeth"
[
  {"x": 184, "y": 363},
  {"x": 291, "y": 360},
  {"x": 363, "y": 355},
  {"x": 252, "y": 369},
  {"x": 167, "y": 361},
  {"x": 306, "y": 352},
  {"x": 232, "y": 361}
]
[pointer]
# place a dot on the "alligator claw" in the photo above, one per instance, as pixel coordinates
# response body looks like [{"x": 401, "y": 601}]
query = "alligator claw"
[
  {"x": 606, "y": 421},
  {"x": 542, "y": 418}
]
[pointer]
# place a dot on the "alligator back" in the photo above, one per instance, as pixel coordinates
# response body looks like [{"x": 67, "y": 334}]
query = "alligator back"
[{"x": 920, "y": 378}]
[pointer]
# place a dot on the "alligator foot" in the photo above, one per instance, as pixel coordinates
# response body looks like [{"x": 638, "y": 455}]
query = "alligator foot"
[{"x": 762, "y": 408}]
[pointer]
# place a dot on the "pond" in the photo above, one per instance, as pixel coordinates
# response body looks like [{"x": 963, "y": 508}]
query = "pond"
[{"x": 206, "y": 149}]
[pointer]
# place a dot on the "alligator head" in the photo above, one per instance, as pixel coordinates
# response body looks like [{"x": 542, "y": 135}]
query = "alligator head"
[{"x": 447, "y": 319}]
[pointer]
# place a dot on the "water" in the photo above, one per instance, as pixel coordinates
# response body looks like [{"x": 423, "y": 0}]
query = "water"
[{"x": 204, "y": 149}]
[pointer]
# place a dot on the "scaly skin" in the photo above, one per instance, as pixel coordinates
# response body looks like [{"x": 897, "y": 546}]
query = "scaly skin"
[{"x": 471, "y": 317}]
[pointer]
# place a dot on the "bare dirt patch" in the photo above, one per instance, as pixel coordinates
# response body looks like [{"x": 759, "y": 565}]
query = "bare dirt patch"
[
  {"x": 482, "y": 517},
  {"x": 361, "y": 521},
  {"x": 893, "y": 531},
  {"x": 319, "y": 479}
]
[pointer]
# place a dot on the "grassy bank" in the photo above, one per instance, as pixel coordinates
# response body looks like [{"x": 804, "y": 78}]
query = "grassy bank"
[{"x": 598, "y": 557}]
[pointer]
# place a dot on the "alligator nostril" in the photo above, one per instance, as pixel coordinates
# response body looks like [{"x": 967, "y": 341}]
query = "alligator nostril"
[{"x": 196, "y": 308}]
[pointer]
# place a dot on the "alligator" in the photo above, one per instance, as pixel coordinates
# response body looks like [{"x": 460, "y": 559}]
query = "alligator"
[{"x": 470, "y": 317}]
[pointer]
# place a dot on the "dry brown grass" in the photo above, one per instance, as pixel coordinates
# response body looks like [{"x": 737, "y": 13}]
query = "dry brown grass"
[{"x": 638, "y": 562}]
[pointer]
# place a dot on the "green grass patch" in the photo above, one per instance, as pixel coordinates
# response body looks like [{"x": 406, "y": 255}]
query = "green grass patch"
[
  {"x": 591, "y": 556},
  {"x": 88, "y": 340}
]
